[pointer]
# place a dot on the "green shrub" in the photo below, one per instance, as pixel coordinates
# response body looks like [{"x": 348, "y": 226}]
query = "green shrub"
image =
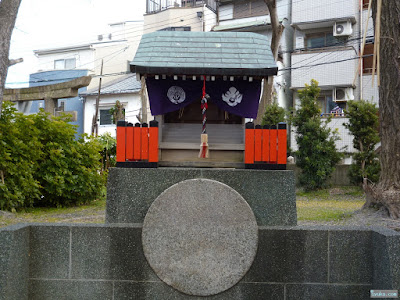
[
  {"x": 273, "y": 115},
  {"x": 69, "y": 169},
  {"x": 317, "y": 154},
  {"x": 363, "y": 125},
  {"x": 109, "y": 152},
  {"x": 43, "y": 164},
  {"x": 19, "y": 150}
]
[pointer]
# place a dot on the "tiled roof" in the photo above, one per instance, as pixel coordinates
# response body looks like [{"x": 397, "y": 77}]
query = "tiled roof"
[
  {"x": 127, "y": 84},
  {"x": 204, "y": 53}
]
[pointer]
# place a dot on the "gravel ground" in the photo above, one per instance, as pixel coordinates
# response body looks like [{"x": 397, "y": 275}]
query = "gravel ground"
[
  {"x": 90, "y": 215},
  {"x": 362, "y": 217},
  {"x": 366, "y": 217}
]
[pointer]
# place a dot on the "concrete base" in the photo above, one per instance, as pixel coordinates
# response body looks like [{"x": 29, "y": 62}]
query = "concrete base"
[
  {"x": 270, "y": 194},
  {"x": 65, "y": 261}
]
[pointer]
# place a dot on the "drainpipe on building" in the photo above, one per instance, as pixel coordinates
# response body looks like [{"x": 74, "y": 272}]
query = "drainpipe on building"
[
  {"x": 202, "y": 19},
  {"x": 217, "y": 9}
]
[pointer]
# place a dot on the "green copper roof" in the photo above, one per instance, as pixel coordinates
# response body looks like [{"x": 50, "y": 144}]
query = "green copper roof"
[{"x": 204, "y": 53}]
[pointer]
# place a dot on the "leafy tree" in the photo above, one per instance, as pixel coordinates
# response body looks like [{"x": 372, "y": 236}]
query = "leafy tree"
[
  {"x": 273, "y": 115},
  {"x": 42, "y": 164},
  {"x": 363, "y": 125},
  {"x": 117, "y": 112},
  {"x": 69, "y": 169},
  {"x": 20, "y": 148},
  {"x": 317, "y": 154},
  {"x": 109, "y": 152}
]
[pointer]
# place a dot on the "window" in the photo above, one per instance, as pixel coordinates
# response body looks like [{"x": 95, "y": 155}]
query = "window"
[
  {"x": 61, "y": 64},
  {"x": 321, "y": 40},
  {"x": 368, "y": 59},
  {"x": 325, "y": 101},
  {"x": 328, "y": 106},
  {"x": 252, "y": 8},
  {"x": 365, "y": 4},
  {"x": 181, "y": 28},
  {"x": 105, "y": 117}
]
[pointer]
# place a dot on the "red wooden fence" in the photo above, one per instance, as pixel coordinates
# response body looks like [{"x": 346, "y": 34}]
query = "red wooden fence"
[
  {"x": 137, "y": 146},
  {"x": 266, "y": 147}
]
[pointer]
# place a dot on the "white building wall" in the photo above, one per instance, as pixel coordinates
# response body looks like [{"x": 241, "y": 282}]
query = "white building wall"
[
  {"x": 370, "y": 92},
  {"x": 305, "y": 11},
  {"x": 116, "y": 56},
  {"x": 131, "y": 104},
  {"x": 370, "y": 28},
  {"x": 329, "y": 68},
  {"x": 115, "y": 60},
  {"x": 84, "y": 59},
  {"x": 180, "y": 17}
]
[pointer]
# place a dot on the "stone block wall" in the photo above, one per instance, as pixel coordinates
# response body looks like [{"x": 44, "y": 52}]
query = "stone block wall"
[
  {"x": 270, "y": 194},
  {"x": 64, "y": 261}
]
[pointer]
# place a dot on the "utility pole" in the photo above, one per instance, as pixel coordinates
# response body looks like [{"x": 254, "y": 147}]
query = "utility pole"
[{"x": 95, "y": 126}]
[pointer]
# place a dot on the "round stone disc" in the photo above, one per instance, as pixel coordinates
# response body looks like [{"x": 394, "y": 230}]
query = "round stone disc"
[{"x": 200, "y": 237}]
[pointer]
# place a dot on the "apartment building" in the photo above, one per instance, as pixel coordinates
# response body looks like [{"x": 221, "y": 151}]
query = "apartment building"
[
  {"x": 253, "y": 16},
  {"x": 111, "y": 52},
  {"x": 327, "y": 42},
  {"x": 180, "y": 15}
]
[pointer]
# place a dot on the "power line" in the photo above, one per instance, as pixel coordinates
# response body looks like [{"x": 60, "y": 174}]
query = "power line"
[
  {"x": 173, "y": 20},
  {"x": 291, "y": 51}
]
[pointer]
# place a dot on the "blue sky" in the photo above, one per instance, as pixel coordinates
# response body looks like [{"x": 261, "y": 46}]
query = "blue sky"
[{"x": 50, "y": 23}]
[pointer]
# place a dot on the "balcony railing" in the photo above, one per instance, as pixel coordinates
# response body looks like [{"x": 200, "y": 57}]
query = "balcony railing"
[{"x": 154, "y": 6}]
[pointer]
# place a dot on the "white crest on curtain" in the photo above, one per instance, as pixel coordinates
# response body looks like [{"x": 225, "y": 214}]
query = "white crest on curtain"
[
  {"x": 176, "y": 94},
  {"x": 232, "y": 97}
]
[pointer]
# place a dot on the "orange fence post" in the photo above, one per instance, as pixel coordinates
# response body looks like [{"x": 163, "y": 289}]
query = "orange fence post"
[
  {"x": 145, "y": 142},
  {"x": 136, "y": 142},
  {"x": 121, "y": 141},
  {"x": 257, "y": 143},
  {"x": 265, "y": 144},
  {"x": 249, "y": 143},
  {"x": 273, "y": 153},
  {"x": 153, "y": 141},
  {"x": 129, "y": 142},
  {"x": 282, "y": 143}
]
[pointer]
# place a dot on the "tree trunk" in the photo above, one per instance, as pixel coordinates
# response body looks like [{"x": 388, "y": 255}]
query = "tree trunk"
[
  {"x": 277, "y": 30},
  {"x": 387, "y": 192},
  {"x": 8, "y": 15}
]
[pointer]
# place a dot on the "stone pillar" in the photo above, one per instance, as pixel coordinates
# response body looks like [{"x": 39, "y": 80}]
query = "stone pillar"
[{"x": 50, "y": 105}]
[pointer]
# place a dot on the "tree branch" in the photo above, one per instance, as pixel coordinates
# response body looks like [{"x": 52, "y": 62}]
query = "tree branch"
[{"x": 12, "y": 62}]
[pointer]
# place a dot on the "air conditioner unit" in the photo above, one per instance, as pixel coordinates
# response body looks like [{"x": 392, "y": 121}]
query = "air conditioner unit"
[
  {"x": 343, "y": 94},
  {"x": 342, "y": 29}
]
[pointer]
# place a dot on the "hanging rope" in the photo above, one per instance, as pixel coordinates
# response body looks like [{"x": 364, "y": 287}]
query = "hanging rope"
[
  {"x": 204, "y": 151},
  {"x": 204, "y": 106}
]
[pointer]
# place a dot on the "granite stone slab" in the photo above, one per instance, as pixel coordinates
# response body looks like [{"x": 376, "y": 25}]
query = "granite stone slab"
[
  {"x": 159, "y": 290},
  {"x": 49, "y": 251},
  {"x": 200, "y": 236},
  {"x": 290, "y": 255},
  {"x": 40, "y": 289},
  {"x": 327, "y": 291},
  {"x": 270, "y": 194},
  {"x": 350, "y": 256},
  {"x": 14, "y": 262},
  {"x": 112, "y": 253}
]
